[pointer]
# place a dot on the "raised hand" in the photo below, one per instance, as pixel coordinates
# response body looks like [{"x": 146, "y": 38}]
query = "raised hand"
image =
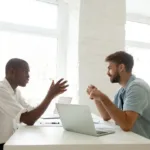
[{"x": 58, "y": 88}]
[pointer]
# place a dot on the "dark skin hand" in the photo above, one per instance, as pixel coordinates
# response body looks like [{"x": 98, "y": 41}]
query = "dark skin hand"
[{"x": 31, "y": 117}]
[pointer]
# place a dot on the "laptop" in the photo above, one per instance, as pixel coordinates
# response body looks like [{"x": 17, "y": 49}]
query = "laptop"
[
  {"x": 77, "y": 118},
  {"x": 63, "y": 100},
  {"x": 55, "y": 115}
]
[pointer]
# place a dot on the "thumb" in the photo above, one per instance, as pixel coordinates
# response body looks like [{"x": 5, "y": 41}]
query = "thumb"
[
  {"x": 52, "y": 84},
  {"x": 91, "y": 95}
]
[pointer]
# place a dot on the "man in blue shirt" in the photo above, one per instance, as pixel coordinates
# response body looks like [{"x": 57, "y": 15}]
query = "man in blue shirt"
[{"x": 131, "y": 106}]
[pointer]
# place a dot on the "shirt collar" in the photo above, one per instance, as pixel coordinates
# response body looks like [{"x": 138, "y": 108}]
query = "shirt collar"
[
  {"x": 7, "y": 84},
  {"x": 129, "y": 81}
]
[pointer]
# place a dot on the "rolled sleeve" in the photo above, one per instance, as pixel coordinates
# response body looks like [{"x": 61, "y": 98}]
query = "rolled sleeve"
[
  {"x": 10, "y": 107},
  {"x": 136, "y": 99},
  {"x": 17, "y": 118},
  {"x": 22, "y": 101}
]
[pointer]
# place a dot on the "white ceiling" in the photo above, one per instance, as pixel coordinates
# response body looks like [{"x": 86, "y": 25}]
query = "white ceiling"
[{"x": 141, "y": 7}]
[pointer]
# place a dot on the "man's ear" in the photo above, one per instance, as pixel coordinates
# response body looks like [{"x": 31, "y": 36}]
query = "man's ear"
[{"x": 121, "y": 68}]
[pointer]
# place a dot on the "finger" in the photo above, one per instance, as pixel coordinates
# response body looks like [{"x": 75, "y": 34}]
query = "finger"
[
  {"x": 58, "y": 82},
  {"x": 91, "y": 97},
  {"x": 63, "y": 87},
  {"x": 90, "y": 87},
  {"x": 88, "y": 90},
  {"x": 52, "y": 83},
  {"x": 93, "y": 87},
  {"x": 93, "y": 90},
  {"x": 63, "y": 83},
  {"x": 62, "y": 90}
]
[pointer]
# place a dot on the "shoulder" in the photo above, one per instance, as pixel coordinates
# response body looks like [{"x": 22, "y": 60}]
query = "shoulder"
[
  {"x": 3, "y": 87},
  {"x": 138, "y": 85},
  {"x": 138, "y": 89}
]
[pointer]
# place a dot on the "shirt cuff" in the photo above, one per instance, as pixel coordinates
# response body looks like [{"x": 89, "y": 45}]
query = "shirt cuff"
[
  {"x": 30, "y": 108},
  {"x": 16, "y": 121},
  {"x": 17, "y": 118}
]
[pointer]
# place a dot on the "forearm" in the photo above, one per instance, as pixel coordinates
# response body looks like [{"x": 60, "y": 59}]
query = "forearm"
[
  {"x": 30, "y": 118},
  {"x": 103, "y": 112},
  {"x": 115, "y": 113}
]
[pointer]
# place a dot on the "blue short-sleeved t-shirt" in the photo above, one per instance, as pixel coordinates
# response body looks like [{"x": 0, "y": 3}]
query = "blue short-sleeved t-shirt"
[{"x": 135, "y": 96}]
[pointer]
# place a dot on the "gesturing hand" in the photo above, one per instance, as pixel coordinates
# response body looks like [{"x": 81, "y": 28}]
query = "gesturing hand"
[{"x": 58, "y": 88}]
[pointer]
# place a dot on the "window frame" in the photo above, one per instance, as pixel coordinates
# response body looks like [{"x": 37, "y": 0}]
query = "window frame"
[
  {"x": 60, "y": 33},
  {"x": 137, "y": 19},
  {"x": 137, "y": 44}
]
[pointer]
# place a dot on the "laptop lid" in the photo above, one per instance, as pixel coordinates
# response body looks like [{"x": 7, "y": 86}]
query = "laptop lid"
[{"x": 76, "y": 118}]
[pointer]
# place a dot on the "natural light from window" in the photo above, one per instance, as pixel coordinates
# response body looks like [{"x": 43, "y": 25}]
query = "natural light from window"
[
  {"x": 138, "y": 34},
  {"x": 29, "y": 12},
  {"x": 37, "y": 48},
  {"x": 141, "y": 58}
]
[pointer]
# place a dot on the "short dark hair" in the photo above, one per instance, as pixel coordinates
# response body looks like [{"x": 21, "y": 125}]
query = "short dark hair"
[
  {"x": 15, "y": 63},
  {"x": 121, "y": 57}
]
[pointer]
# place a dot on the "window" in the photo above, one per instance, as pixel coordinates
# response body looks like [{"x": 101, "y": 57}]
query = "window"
[
  {"x": 29, "y": 31},
  {"x": 137, "y": 32},
  {"x": 40, "y": 52},
  {"x": 138, "y": 45},
  {"x": 29, "y": 12},
  {"x": 141, "y": 58}
]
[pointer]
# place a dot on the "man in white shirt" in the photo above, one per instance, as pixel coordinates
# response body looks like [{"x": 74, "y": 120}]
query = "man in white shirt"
[{"x": 13, "y": 108}]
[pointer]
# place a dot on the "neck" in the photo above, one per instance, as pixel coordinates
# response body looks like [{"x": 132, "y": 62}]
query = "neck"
[
  {"x": 124, "y": 79},
  {"x": 12, "y": 83}
]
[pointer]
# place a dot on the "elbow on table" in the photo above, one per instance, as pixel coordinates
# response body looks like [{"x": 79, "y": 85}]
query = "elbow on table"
[
  {"x": 27, "y": 119},
  {"x": 126, "y": 128},
  {"x": 30, "y": 123},
  {"x": 106, "y": 118}
]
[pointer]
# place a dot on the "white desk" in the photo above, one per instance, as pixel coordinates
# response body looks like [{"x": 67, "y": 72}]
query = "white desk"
[{"x": 55, "y": 138}]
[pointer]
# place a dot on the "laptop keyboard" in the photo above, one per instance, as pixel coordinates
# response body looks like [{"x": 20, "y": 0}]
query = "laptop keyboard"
[
  {"x": 104, "y": 131},
  {"x": 100, "y": 132}
]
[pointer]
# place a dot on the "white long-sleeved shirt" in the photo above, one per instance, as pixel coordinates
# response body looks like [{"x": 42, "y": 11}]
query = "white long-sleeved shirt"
[{"x": 12, "y": 105}]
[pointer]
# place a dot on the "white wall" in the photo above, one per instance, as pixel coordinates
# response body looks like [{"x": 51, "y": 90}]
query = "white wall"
[
  {"x": 72, "y": 52},
  {"x": 63, "y": 21},
  {"x": 101, "y": 32}
]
